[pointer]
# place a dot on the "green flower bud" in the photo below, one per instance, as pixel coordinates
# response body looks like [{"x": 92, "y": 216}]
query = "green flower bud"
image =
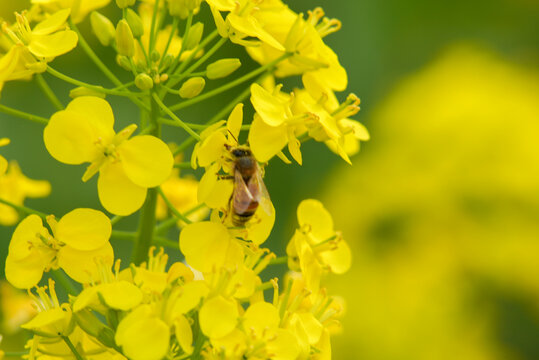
[
  {"x": 124, "y": 39},
  {"x": 167, "y": 60},
  {"x": 84, "y": 91},
  {"x": 125, "y": 3},
  {"x": 102, "y": 28},
  {"x": 194, "y": 36},
  {"x": 124, "y": 62},
  {"x": 135, "y": 23},
  {"x": 155, "y": 56},
  {"x": 222, "y": 68},
  {"x": 144, "y": 82},
  {"x": 181, "y": 8},
  {"x": 192, "y": 87}
]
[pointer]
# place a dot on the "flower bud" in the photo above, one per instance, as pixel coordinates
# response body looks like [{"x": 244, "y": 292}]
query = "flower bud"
[
  {"x": 192, "y": 87},
  {"x": 102, "y": 28},
  {"x": 182, "y": 8},
  {"x": 84, "y": 91},
  {"x": 135, "y": 23},
  {"x": 155, "y": 56},
  {"x": 124, "y": 62},
  {"x": 222, "y": 68},
  {"x": 144, "y": 82},
  {"x": 167, "y": 60},
  {"x": 194, "y": 36},
  {"x": 124, "y": 39},
  {"x": 125, "y": 3}
]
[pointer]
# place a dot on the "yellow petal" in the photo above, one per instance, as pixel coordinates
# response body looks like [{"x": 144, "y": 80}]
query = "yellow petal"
[
  {"x": 98, "y": 108},
  {"x": 45, "y": 320},
  {"x": 293, "y": 147},
  {"x": 284, "y": 346},
  {"x": 218, "y": 316},
  {"x": 339, "y": 259},
  {"x": 120, "y": 295},
  {"x": 211, "y": 149},
  {"x": 147, "y": 160},
  {"x": 258, "y": 231},
  {"x": 84, "y": 229},
  {"x": 272, "y": 110},
  {"x": 117, "y": 193},
  {"x": 222, "y": 5},
  {"x": 3, "y": 165},
  {"x": 52, "y": 23},
  {"x": 184, "y": 334},
  {"x": 25, "y": 273},
  {"x": 71, "y": 136},
  {"x": 235, "y": 119},
  {"x": 50, "y": 46},
  {"x": 260, "y": 317},
  {"x": 207, "y": 246},
  {"x": 312, "y": 326},
  {"x": 81, "y": 266},
  {"x": 26, "y": 233},
  {"x": 266, "y": 141},
  {"x": 192, "y": 292},
  {"x": 250, "y": 27},
  {"x": 311, "y": 213},
  {"x": 179, "y": 270},
  {"x": 143, "y": 337}
]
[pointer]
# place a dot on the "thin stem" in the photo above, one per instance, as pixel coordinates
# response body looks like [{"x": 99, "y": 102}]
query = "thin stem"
[
  {"x": 24, "y": 209},
  {"x": 23, "y": 115},
  {"x": 139, "y": 40},
  {"x": 97, "y": 88},
  {"x": 279, "y": 260},
  {"x": 115, "y": 219},
  {"x": 172, "y": 208},
  {"x": 147, "y": 214},
  {"x": 229, "y": 85},
  {"x": 173, "y": 116},
  {"x": 153, "y": 26},
  {"x": 185, "y": 34},
  {"x": 72, "y": 347},
  {"x": 173, "y": 30},
  {"x": 45, "y": 88}
]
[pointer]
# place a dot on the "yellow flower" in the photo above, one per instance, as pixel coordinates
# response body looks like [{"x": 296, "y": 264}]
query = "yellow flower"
[
  {"x": 316, "y": 247},
  {"x": 303, "y": 38},
  {"x": 79, "y": 8},
  {"x": 47, "y": 39},
  {"x": 274, "y": 125},
  {"x": 218, "y": 316},
  {"x": 3, "y": 161},
  {"x": 80, "y": 237},
  {"x": 240, "y": 23},
  {"x": 15, "y": 188},
  {"x": 83, "y": 132},
  {"x": 53, "y": 319},
  {"x": 14, "y": 65},
  {"x": 16, "y": 308}
]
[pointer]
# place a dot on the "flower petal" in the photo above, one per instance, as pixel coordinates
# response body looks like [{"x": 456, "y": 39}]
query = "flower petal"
[
  {"x": 120, "y": 295},
  {"x": 272, "y": 110},
  {"x": 100, "y": 111},
  {"x": 117, "y": 193},
  {"x": 147, "y": 160},
  {"x": 339, "y": 259},
  {"x": 235, "y": 119},
  {"x": 184, "y": 334},
  {"x": 25, "y": 273},
  {"x": 52, "y": 23},
  {"x": 312, "y": 213},
  {"x": 81, "y": 266},
  {"x": 218, "y": 316},
  {"x": 266, "y": 141},
  {"x": 84, "y": 229},
  {"x": 50, "y": 46},
  {"x": 260, "y": 317}
]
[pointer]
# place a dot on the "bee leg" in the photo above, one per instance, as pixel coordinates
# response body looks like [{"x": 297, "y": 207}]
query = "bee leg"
[{"x": 225, "y": 177}]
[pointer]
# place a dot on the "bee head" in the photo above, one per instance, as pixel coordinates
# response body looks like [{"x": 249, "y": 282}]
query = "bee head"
[{"x": 240, "y": 152}]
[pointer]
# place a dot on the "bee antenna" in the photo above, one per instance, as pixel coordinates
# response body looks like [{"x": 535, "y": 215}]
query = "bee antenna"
[{"x": 232, "y": 136}]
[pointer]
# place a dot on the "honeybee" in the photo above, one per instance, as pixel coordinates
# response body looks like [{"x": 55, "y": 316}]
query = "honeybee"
[{"x": 249, "y": 189}]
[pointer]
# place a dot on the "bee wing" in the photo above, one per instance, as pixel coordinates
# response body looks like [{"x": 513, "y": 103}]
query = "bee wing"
[
  {"x": 258, "y": 189},
  {"x": 243, "y": 196}
]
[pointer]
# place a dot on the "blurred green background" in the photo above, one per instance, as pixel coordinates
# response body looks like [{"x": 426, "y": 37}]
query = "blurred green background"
[{"x": 441, "y": 207}]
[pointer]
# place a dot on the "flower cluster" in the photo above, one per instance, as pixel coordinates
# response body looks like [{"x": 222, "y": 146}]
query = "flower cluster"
[{"x": 216, "y": 303}]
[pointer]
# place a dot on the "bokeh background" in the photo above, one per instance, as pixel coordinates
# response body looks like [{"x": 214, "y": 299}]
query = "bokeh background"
[{"x": 441, "y": 207}]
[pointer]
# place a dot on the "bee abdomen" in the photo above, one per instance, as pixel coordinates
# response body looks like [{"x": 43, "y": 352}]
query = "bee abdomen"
[{"x": 241, "y": 219}]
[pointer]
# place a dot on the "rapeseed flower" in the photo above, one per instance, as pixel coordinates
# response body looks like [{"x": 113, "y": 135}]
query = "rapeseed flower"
[
  {"x": 77, "y": 239},
  {"x": 79, "y": 8},
  {"x": 83, "y": 132}
]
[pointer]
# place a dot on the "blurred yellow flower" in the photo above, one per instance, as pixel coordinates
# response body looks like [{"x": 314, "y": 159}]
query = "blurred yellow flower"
[
  {"x": 83, "y": 132},
  {"x": 15, "y": 188},
  {"x": 16, "y": 308},
  {"x": 443, "y": 215},
  {"x": 79, "y": 8}
]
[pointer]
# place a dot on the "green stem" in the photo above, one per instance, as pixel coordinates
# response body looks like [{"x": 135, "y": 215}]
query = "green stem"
[
  {"x": 97, "y": 88},
  {"x": 172, "y": 208},
  {"x": 153, "y": 26},
  {"x": 147, "y": 214},
  {"x": 146, "y": 56},
  {"x": 230, "y": 85},
  {"x": 115, "y": 219},
  {"x": 19, "y": 354},
  {"x": 23, "y": 115},
  {"x": 279, "y": 260},
  {"x": 185, "y": 34},
  {"x": 173, "y": 116},
  {"x": 63, "y": 280},
  {"x": 24, "y": 209},
  {"x": 173, "y": 30},
  {"x": 48, "y": 92},
  {"x": 72, "y": 347}
]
